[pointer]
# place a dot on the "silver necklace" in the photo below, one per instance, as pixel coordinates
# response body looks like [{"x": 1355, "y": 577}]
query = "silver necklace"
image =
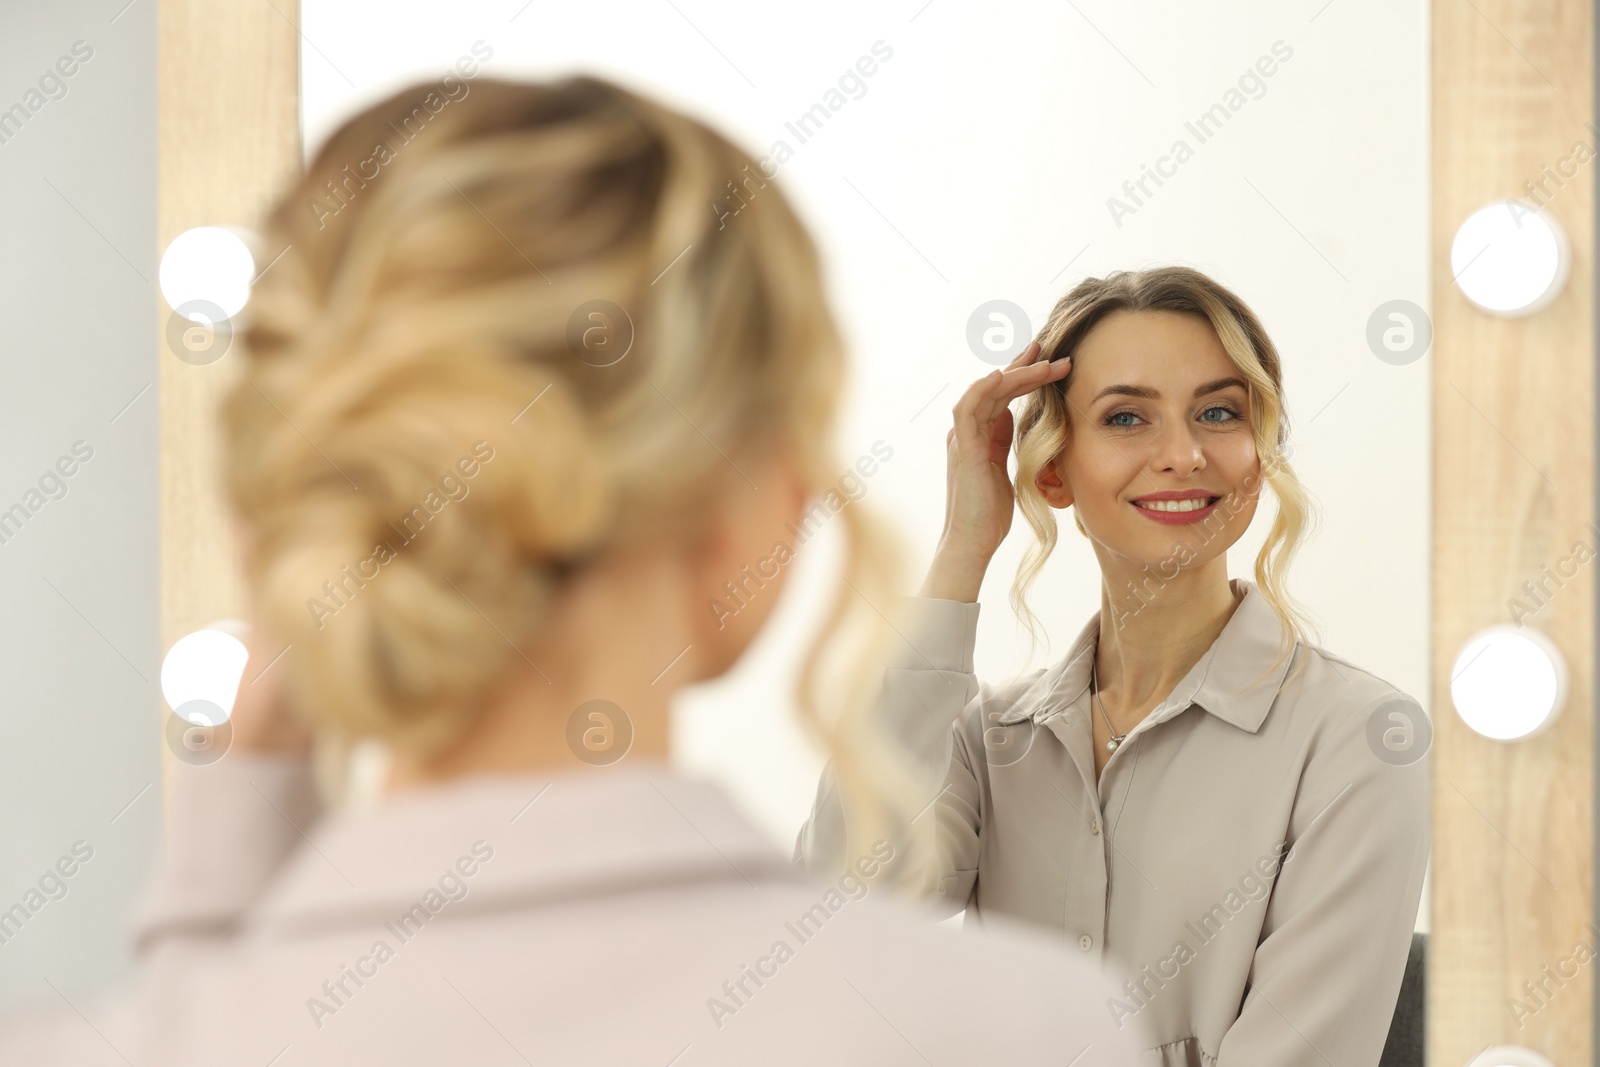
[{"x": 1094, "y": 695}]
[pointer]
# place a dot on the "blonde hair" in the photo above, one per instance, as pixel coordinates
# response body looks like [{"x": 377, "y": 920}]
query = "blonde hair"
[
  {"x": 433, "y": 294},
  {"x": 1044, "y": 426}
]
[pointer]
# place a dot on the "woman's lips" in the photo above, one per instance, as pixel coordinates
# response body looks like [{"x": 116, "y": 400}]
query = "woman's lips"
[{"x": 1177, "y": 518}]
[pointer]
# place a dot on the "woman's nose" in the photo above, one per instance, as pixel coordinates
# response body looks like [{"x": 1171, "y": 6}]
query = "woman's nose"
[{"x": 1178, "y": 449}]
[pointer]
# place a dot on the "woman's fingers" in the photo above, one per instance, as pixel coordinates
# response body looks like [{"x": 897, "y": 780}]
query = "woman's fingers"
[
  {"x": 1026, "y": 356},
  {"x": 983, "y": 401},
  {"x": 1024, "y": 380},
  {"x": 1001, "y": 387},
  {"x": 1000, "y": 438},
  {"x": 979, "y": 496},
  {"x": 262, "y": 719},
  {"x": 986, "y": 402}
]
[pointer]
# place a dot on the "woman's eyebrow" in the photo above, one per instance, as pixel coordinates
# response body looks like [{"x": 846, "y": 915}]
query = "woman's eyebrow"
[{"x": 1152, "y": 394}]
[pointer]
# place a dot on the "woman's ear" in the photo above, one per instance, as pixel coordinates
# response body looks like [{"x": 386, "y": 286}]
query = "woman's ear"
[{"x": 1048, "y": 481}]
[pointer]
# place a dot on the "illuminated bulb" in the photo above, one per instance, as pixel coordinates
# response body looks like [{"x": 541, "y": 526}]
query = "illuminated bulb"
[
  {"x": 204, "y": 666},
  {"x": 208, "y": 267},
  {"x": 1508, "y": 683},
  {"x": 1510, "y": 259},
  {"x": 1509, "y": 1056}
]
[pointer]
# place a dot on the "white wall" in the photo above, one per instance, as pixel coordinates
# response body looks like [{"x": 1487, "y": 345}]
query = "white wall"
[
  {"x": 80, "y": 630},
  {"x": 977, "y": 165}
]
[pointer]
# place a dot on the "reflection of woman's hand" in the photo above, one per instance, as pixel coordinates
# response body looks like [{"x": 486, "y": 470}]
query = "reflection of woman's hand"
[
  {"x": 262, "y": 719},
  {"x": 979, "y": 497}
]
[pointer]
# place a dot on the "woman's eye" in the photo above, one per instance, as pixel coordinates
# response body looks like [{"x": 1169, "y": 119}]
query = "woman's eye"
[{"x": 1228, "y": 415}]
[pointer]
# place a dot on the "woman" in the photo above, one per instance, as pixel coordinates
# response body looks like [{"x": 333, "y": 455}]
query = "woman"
[
  {"x": 508, "y": 419},
  {"x": 1197, "y": 795}
]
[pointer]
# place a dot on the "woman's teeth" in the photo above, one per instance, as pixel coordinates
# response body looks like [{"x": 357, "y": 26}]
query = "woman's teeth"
[{"x": 1176, "y": 505}]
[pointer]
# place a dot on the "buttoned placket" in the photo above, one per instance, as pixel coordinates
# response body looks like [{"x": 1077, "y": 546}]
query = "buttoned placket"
[
  {"x": 1088, "y": 878},
  {"x": 1084, "y": 896}
]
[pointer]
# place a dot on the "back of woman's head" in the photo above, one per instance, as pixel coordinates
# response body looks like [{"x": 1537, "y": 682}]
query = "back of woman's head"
[{"x": 546, "y": 285}]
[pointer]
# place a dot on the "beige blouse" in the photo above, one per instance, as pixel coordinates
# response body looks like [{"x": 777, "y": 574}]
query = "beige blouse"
[
  {"x": 619, "y": 915},
  {"x": 1247, "y": 868}
]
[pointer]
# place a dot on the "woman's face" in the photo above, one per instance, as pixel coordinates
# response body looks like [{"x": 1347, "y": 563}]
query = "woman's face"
[{"x": 1157, "y": 408}]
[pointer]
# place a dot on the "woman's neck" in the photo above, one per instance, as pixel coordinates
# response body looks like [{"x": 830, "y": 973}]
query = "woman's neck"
[
  {"x": 591, "y": 692},
  {"x": 1148, "y": 643}
]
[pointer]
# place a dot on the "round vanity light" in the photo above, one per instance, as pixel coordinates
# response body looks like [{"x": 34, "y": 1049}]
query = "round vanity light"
[
  {"x": 200, "y": 674},
  {"x": 1508, "y": 683},
  {"x": 1509, "y": 1056},
  {"x": 1510, "y": 259},
  {"x": 208, "y": 270}
]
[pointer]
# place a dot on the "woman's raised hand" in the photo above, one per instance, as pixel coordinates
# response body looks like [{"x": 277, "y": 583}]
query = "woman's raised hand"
[
  {"x": 262, "y": 718},
  {"x": 979, "y": 497}
]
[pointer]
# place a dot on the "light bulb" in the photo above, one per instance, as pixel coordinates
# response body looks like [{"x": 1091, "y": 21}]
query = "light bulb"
[
  {"x": 207, "y": 271},
  {"x": 202, "y": 670},
  {"x": 1509, "y": 1056},
  {"x": 1508, "y": 683},
  {"x": 1510, "y": 259}
]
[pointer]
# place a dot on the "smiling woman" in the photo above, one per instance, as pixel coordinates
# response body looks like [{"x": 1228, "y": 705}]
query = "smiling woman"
[
  {"x": 1147, "y": 326},
  {"x": 1194, "y": 725}
]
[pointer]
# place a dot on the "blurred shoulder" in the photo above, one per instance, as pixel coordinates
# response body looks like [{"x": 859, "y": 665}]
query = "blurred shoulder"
[{"x": 1006, "y": 993}]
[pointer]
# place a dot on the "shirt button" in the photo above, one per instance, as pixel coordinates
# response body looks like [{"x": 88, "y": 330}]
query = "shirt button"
[
  {"x": 1086, "y": 942},
  {"x": 1094, "y": 826}
]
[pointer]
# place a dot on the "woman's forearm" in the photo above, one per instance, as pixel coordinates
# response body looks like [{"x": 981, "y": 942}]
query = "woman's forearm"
[{"x": 956, "y": 573}]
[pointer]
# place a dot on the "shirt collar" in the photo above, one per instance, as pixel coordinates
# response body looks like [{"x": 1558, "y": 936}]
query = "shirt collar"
[
  {"x": 553, "y": 835},
  {"x": 1220, "y": 682}
]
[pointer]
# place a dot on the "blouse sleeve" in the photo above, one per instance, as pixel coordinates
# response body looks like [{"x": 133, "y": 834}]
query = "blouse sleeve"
[
  {"x": 1326, "y": 973},
  {"x": 925, "y": 689},
  {"x": 231, "y": 826}
]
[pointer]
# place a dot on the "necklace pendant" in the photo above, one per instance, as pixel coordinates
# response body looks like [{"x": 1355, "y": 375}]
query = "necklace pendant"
[{"x": 1111, "y": 746}]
